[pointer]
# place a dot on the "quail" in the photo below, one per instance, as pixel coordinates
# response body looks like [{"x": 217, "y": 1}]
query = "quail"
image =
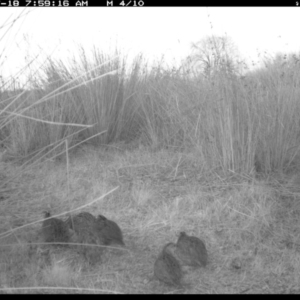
[
  {"x": 110, "y": 231},
  {"x": 191, "y": 250},
  {"x": 54, "y": 230},
  {"x": 81, "y": 219},
  {"x": 86, "y": 229},
  {"x": 167, "y": 268}
]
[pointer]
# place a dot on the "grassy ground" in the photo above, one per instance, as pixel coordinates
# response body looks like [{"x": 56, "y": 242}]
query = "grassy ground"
[{"x": 250, "y": 226}]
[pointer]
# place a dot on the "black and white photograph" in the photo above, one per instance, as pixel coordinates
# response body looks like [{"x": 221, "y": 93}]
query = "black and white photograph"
[{"x": 149, "y": 150}]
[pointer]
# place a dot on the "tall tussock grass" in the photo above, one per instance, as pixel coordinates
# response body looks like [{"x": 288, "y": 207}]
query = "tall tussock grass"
[{"x": 237, "y": 123}]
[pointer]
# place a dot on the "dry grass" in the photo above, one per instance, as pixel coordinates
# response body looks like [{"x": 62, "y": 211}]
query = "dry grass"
[{"x": 250, "y": 231}]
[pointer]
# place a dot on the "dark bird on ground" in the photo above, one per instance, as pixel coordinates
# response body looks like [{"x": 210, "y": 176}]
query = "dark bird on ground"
[
  {"x": 191, "y": 250},
  {"x": 166, "y": 267},
  {"x": 86, "y": 228},
  {"x": 55, "y": 230},
  {"x": 82, "y": 219},
  {"x": 110, "y": 231}
]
